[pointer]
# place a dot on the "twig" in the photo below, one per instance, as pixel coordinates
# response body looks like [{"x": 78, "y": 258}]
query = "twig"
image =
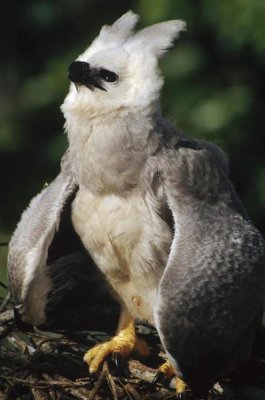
[
  {"x": 6, "y": 316},
  {"x": 4, "y": 331},
  {"x": 126, "y": 391},
  {"x": 42, "y": 384},
  {"x": 5, "y": 302},
  {"x": 132, "y": 391},
  {"x": 140, "y": 371},
  {"x": 53, "y": 393},
  {"x": 161, "y": 396},
  {"x": 4, "y": 396},
  {"x": 39, "y": 394},
  {"x": 78, "y": 393},
  {"x": 111, "y": 381},
  {"x": 18, "y": 342},
  {"x": 97, "y": 385}
]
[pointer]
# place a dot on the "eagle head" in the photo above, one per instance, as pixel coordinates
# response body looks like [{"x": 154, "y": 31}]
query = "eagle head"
[{"x": 119, "y": 70}]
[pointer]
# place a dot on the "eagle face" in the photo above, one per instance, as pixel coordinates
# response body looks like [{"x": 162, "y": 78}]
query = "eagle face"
[
  {"x": 80, "y": 73},
  {"x": 100, "y": 82},
  {"x": 119, "y": 69},
  {"x": 99, "y": 72}
]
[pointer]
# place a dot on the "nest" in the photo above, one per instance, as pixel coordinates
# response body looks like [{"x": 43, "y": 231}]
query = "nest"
[{"x": 48, "y": 365}]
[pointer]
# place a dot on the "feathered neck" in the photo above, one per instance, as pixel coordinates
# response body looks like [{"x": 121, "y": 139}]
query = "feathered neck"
[
  {"x": 109, "y": 151},
  {"x": 132, "y": 123}
]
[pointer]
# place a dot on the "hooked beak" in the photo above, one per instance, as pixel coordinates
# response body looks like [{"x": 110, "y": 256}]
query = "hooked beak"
[{"x": 80, "y": 73}]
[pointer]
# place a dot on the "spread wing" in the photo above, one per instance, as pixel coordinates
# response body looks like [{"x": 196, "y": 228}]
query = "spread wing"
[
  {"x": 53, "y": 280},
  {"x": 28, "y": 250},
  {"x": 213, "y": 284}
]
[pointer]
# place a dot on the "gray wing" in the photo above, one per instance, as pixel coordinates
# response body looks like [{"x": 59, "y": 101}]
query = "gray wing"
[
  {"x": 54, "y": 282},
  {"x": 28, "y": 250},
  {"x": 210, "y": 298}
]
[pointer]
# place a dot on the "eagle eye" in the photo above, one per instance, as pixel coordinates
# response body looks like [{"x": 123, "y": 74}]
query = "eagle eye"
[{"x": 108, "y": 76}]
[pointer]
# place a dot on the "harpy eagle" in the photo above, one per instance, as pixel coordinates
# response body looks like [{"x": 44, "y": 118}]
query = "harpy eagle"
[{"x": 155, "y": 211}]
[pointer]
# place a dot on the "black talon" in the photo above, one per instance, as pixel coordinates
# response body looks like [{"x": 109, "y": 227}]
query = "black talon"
[
  {"x": 158, "y": 378},
  {"x": 179, "y": 396},
  {"x": 184, "y": 396},
  {"x": 116, "y": 357},
  {"x": 92, "y": 374}
]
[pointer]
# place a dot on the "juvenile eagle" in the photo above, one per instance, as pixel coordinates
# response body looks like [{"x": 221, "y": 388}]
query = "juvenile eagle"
[{"x": 157, "y": 213}]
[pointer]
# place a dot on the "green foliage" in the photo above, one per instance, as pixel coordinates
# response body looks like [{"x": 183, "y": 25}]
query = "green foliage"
[{"x": 213, "y": 86}]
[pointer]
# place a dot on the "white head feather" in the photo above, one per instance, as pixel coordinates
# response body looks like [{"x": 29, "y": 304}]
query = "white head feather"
[{"x": 133, "y": 57}]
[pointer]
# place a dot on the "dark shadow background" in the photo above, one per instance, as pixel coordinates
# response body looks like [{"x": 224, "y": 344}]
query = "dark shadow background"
[{"x": 214, "y": 86}]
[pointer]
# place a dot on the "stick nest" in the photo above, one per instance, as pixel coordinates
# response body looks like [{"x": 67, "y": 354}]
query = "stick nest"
[{"x": 48, "y": 365}]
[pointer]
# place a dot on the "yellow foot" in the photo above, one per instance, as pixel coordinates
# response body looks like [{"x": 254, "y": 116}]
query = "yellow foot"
[
  {"x": 180, "y": 386},
  {"x": 120, "y": 345},
  {"x": 165, "y": 372},
  {"x": 182, "y": 389}
]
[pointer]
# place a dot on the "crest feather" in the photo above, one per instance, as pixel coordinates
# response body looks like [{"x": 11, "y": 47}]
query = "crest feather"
[
  {"x": 121, "y": 29},
  {"x": 157, "y": 38}
]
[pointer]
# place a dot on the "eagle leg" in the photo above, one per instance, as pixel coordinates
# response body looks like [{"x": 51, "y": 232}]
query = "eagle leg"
[
  {"x": 122, "y": 344},
  {"x": 167, "y": 372}
]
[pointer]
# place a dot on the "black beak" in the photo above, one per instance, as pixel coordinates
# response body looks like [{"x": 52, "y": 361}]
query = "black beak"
[{"x": 80, "y": 73}]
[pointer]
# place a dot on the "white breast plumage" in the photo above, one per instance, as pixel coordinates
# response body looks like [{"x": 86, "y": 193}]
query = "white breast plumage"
[{"x": 119, "y": 233}]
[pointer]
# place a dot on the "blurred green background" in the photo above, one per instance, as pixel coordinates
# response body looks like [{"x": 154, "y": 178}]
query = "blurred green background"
[{"x": 214, "y": 87}]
